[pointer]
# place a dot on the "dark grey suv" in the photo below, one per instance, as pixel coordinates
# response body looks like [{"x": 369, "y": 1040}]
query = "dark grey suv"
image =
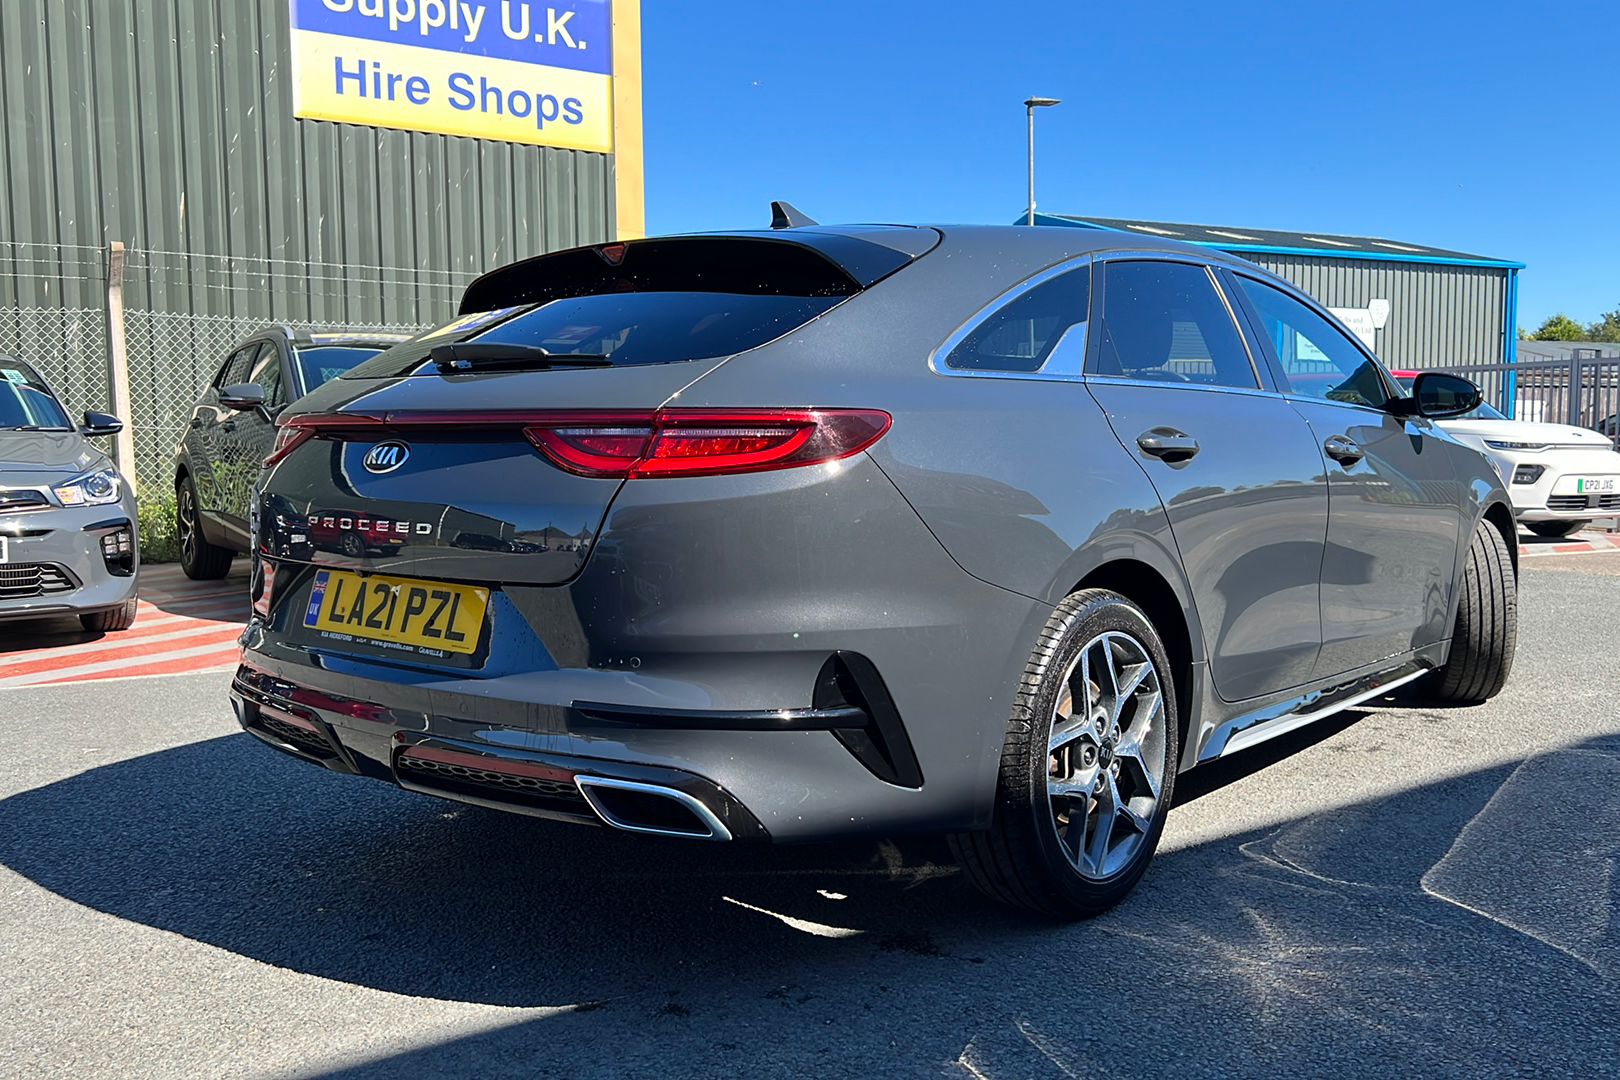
[
  {"x": 232, "y": 429},
  {"x": 795, "y": 534}
]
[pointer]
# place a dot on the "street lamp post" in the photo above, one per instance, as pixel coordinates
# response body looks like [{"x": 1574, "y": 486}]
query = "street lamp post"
[{"x": 1031, "y": 105}]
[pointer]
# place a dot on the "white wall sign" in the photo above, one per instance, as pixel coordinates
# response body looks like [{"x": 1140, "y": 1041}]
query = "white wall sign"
[{"x": 1362, "y": 322}]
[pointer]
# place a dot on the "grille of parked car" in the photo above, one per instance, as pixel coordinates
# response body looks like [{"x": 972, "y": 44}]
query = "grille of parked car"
[
  {"x": 20, "y": 581},
  {"x": 1566, "y": 502},
  {"x": 21, "y": 499}
]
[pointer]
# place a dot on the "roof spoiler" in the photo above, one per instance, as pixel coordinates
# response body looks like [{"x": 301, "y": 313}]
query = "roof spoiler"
[{"x": 784, "y": 215}]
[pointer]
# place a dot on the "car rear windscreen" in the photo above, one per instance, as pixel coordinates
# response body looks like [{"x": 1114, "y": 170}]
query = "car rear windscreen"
[
  {"x": 651, "y": 302},
  {"x": 322, "y": 363}
]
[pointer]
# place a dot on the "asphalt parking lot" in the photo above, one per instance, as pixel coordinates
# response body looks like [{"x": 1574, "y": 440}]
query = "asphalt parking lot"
[{"x": 1396, "y": 890}]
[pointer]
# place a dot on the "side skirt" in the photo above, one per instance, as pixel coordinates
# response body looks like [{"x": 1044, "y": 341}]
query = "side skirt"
[{"x": 1250, "y": 729}]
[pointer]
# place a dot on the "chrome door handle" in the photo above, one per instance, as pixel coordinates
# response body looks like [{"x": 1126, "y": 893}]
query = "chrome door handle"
[
  {"x": 1167, "y": 444},
  {"x": 1342, "y": 450}
]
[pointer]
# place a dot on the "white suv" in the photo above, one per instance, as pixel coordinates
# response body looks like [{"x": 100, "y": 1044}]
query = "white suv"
[{"x": 1559, "y": 476}]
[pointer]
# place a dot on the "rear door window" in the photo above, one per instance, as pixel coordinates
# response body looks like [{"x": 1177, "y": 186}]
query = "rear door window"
[
  {"x": 1040, "y": 331},
  {"x": 1164, "y": 322}
]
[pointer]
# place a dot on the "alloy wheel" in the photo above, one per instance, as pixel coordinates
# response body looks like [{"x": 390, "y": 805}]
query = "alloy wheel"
[
  {"x": 1105, "y": 756},
  {"x": 185, "y": 520}
]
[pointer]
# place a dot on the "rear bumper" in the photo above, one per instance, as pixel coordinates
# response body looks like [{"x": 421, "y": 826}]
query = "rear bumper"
[
  {"x": 817, "y": 674},
  {"x": 525, "y": 780}
]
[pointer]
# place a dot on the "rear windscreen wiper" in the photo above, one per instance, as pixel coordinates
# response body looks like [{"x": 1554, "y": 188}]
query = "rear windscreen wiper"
[{"x": 494, "y": 357}]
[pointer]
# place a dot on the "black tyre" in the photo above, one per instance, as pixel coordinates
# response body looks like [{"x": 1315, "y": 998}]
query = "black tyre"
[
  {"x": 200, "y": 560},
  {"x": 1487, "y": 627},
  {"x": 118, "y": 618},
  {"x": 1088, "y": 766},
  {"x": 1555, "y": 529}
]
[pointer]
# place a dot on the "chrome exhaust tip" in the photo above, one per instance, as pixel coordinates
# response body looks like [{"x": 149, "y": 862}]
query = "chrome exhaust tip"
[{"x": 650, "y": 808}]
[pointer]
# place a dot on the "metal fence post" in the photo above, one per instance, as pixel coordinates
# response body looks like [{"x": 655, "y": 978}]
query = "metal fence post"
[
  {"x": 118, "y": 365},
  {"x": 1574, "y": 415}
]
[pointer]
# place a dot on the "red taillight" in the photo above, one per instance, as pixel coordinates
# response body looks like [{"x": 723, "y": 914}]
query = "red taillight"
[
  {"x": 694, "y": 442},
  {"x": 633, "y": 444},
  {"x": 288, "y": 438},
  {"x": 294, "y": 431}
]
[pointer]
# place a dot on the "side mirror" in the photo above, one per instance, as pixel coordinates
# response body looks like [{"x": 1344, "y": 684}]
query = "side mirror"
[
  {"x": 1439, "y": 394},
  {"x": 100, "y": 423},
  {"x": 242, "y": 396}
]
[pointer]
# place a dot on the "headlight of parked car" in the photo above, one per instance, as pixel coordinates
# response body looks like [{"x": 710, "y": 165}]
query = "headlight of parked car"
[
  {"x": 1496, "y": 444},
  {"x": 91, "y": 489}
]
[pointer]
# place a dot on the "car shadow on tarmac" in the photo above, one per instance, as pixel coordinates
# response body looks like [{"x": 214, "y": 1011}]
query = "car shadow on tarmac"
[{"x": 1420, "y": 932}]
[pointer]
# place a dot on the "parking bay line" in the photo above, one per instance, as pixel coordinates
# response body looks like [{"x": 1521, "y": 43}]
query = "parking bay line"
[
  {"x": 66, "y": 655},
  {"x": 129, "y": 664},
  {"x": 191, "y": 666}
]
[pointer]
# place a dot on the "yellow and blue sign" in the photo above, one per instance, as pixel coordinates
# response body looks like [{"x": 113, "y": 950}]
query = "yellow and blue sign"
[{"x": 512, "y": 70}]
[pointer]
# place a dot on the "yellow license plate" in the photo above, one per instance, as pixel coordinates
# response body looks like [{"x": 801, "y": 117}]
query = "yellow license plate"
[{"x": 422, "y": 616}]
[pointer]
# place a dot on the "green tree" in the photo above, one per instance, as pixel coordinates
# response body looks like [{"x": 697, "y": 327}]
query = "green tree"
[
  {"x": 1560, "y": 327},
  {"x": 1606, "y": 328}
]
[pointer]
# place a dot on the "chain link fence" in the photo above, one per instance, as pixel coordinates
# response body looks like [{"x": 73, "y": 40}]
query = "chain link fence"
[
  {"x": 67, "y": 345},
  {"x": 182, "y": 314},
  {"x": 172, "y": 356}
]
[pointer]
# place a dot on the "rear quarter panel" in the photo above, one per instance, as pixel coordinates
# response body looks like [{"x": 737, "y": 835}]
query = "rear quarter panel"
[{"x": 1021, "y": 482}]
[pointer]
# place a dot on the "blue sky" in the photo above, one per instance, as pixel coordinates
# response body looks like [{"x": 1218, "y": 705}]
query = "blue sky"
[{"x": 1473, "y": 126}]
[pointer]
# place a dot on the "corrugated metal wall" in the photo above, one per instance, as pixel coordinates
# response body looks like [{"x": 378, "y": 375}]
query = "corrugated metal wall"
[
  {"x": 167, "y": 124},
  {"x": 1439, "y": 315}
]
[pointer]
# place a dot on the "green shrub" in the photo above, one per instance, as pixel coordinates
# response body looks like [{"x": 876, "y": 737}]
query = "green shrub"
[{"x": 160, "y": 540}]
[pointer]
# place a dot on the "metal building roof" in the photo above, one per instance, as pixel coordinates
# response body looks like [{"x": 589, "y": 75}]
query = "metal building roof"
[{"x": 1277, "y": 241}]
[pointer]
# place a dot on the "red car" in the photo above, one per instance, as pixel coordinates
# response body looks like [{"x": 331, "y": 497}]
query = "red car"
[{"x": 355, "y": 535}]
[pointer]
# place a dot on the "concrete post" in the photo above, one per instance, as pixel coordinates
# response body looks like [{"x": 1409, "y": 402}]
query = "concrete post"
[{"x": 118, "y": 365}]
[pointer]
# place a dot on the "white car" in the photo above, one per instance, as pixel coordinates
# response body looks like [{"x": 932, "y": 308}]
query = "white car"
[{"x": 1559, "y": 476}]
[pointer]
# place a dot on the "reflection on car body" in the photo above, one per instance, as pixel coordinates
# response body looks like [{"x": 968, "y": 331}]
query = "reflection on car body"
[{"x": 231, "y": 430}]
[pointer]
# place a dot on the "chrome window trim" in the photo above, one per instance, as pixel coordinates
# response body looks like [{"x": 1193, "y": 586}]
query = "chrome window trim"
[
  {"x": 1121, "y": 380},
  {"x": 1371, "y": 410},
  {"x": 936, "y": 359}
]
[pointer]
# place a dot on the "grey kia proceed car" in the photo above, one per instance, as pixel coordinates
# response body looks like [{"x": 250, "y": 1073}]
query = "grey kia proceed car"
[
  {"x": 67, "y": 519},
  {"x": 814, "y": 531}
]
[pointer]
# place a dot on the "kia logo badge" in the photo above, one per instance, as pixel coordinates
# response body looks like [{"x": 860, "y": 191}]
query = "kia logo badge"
[{"x": 385, "y": 457}]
